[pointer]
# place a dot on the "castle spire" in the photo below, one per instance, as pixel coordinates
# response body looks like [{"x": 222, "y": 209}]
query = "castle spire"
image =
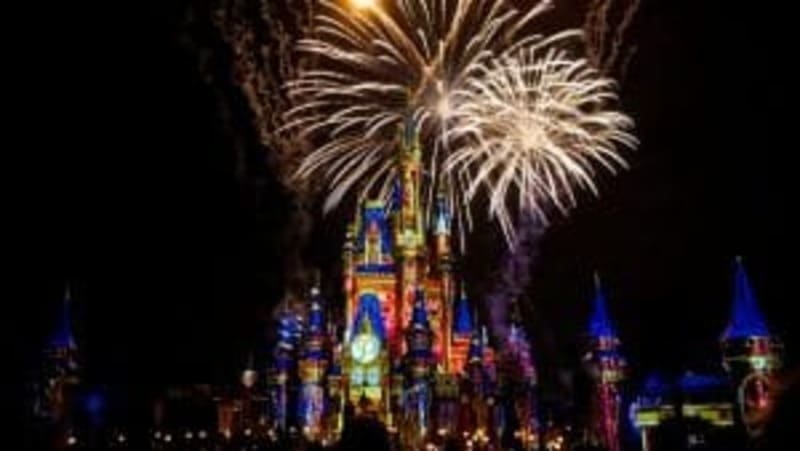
[
  {"x": 606, "y": 367},
  {"x": 463, "y": 321},
  {"x": 600, "y": 322},
  {"x": 746, "y": 318},
  {"x": 63, "y": 337},
  {"x": 750, "y": 355}
]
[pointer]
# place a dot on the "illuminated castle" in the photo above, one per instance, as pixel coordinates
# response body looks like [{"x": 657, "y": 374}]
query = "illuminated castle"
[{"x": 412, "y": 353}]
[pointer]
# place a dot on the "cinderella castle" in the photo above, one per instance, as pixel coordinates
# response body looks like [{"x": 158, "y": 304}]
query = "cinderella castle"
[{"x": 410, "y": 351}]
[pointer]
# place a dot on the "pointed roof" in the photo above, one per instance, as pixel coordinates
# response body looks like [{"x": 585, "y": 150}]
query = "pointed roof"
[
  {"x": 746, "y": 318},
  {"x": 63, "y": 338},
  {"x": 600, "y": 322},
  {"x": 463, "y": 322}
]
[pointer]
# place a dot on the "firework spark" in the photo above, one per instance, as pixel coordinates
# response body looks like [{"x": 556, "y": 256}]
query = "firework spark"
[
  {"x": 533, "y": 127},
  {"x": 379, "y": 64}
]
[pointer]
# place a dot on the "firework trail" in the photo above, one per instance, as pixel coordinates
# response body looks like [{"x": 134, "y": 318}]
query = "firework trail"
[{"x": 606, "y": 26}]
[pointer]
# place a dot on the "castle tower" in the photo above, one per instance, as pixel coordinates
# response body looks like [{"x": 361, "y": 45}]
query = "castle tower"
[
  {"x": 606, "y": 367},
  {"x": 410, "y": 243},
  {"x": 442, "y": 302},
  {"x": 312, "y": 371},
  {"x": 477, "y": 401},
  {"x": 61, "y": 376},
  {"x": 282, "y": 371},
  {"x": 751, "y": 355},
  {"x": 518, "y": 386},
  {"x": 418, "y": 362}
]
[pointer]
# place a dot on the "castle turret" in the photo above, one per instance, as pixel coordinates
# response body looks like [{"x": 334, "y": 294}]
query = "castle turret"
[
  {"x": 518, "y": 386},
  {"x": 606, "y": 367},
  {"x": 282, "y": 370},
  {"x": 419, "y": 375},
  {"x": 751, "y": 354},
  {"x": 444, "y": 274},
  {"x": 312, "y": 371},
  {"x": 476, "y": 410},
  {"x": 61, "y": 376}
]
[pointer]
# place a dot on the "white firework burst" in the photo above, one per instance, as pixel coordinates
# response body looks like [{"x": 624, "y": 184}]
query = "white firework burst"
[{"x": 531, "y": 128}]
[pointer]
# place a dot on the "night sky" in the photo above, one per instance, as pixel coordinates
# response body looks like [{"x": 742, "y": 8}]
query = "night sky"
[{"x": 175, "y": 258}]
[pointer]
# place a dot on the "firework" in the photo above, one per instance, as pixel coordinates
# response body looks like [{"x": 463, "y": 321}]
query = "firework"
[
  {"x": 383, "y": 62},
  {"x": 532, "y": 128},
  {"x": 498, "y": 109}
]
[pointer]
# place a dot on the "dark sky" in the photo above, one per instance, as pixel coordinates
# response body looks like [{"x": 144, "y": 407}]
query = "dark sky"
[{"x": 174, "y": 261}]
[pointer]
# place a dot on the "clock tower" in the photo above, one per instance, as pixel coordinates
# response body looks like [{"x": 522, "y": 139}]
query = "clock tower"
[{"x": 367, "y": 359}]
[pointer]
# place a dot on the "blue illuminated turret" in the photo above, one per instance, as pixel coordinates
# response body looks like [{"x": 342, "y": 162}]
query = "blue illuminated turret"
[
  {"x": 746, "y": 318},
  {"x": 63, "y": 337},
  {"x": 463, "y": 320},
  {"x": 607, "y": 368},
  {"x": 750, "y": 354},
  {"x": 600, "y": 323}
]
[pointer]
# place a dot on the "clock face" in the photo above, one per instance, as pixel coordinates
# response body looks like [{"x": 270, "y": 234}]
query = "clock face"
[{"x": 365, "y": 348}]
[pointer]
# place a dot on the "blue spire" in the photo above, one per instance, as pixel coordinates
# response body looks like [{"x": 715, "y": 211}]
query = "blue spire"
[
  {"x": 463, "y": 323},
  {"x": 63, "y": 338},
  {"x": 746, "y": 319},
  {"x": 600, "y": 323}
]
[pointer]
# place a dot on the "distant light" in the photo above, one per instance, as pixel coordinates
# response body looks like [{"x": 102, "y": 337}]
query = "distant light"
[
  {"x": 168, "y": 438},
  {"x": 71, "y": 440},
  {"x": 121, "y": 438},
  {"x": 157, "y": 434},
  {"x": 202, "y": 434},
  {"x": 189, "y": 435},
  {"x": 248, "y": 432}
]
